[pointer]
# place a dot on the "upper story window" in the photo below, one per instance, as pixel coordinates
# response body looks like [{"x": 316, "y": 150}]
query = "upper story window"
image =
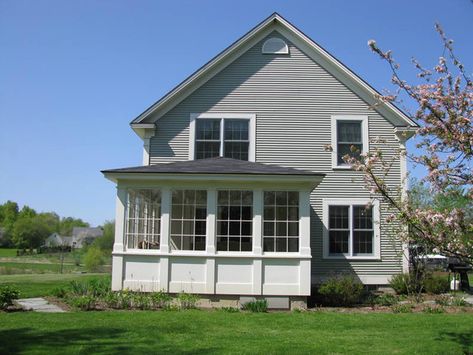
[
  {"x": 281, "y": 221},
  {"x": 188, "y": 219},
  {"x": 352, "y": 228},
  {"x": 222, "y": 135},
  {"x": 143, "y": 219},
  {"x": 349, "y": 136}
]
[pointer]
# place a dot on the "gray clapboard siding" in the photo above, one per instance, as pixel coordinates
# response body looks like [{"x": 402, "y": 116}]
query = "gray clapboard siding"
[{"x": 293, "y": 98}]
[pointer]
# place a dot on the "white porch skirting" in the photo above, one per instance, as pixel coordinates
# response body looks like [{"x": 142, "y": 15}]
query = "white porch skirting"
[{"x": 212, "y": 274}]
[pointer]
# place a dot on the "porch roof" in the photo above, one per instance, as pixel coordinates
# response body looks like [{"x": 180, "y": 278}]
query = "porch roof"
[{"x": 217, "y": 165}]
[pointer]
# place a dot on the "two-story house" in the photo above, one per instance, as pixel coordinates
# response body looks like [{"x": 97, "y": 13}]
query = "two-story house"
[{"x": 237, "y": 196}]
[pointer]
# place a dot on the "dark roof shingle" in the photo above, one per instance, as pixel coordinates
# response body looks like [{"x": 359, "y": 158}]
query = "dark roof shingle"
[{"x": 214, "y": 166}]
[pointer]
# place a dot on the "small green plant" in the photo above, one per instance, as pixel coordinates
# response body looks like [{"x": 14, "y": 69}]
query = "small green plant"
[
  {"x": 459, "y": 302},
  {"x": 402, "y": 308},
  {"x": 385, "y": 299},
  {"x": 160, "y": 299},
  {"x": 59, "y": 292},
  {"x": 7, "y": 295},
  {"x": 141, "y": 300},
  {"x": 342, "y": 290},
  {"x": 436, "y": 284},
  {"x": 257, "y": 306},
  {"x": 93, "y": 259},
  {"x": 78, "y": 288},
  {"x": 403, "y": 284},
  {"x": 187, "y": 300},
  {"x": 84, "y": 302},
  {"x": 230, "y": 309},
  {"x": 433, "y": 310}
]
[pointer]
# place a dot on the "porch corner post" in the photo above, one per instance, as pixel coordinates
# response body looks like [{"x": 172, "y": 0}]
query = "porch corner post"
[
  {"x": 119, "y": 243},
  {"x": 305, "y": 264}
]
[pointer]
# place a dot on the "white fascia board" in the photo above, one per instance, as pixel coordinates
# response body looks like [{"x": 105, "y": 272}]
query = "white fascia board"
[
  {"x": 404, "y": 133},
  {"x": 144, "y": 130},
  {"x": 305, "y": 182}
]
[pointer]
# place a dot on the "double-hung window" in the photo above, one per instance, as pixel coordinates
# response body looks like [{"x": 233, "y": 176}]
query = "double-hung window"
[
  {"x": 222, "y": 135},
  {"x": 143, "y": 219},
  {"x": 234, "y": 220},
  {"x": 349, "y": 137},
  {"x": 352, "y": 229},
  {"x": 188, "y": 219},
  {"x": 281, "y": 221}
]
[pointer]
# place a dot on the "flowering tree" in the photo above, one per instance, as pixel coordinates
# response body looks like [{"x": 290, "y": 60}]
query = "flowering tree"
[{"x": 444, "y": 112}]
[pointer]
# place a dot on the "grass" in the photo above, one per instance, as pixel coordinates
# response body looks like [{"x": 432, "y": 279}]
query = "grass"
[
  {"x": 7, "y": 253},
  {"x": 212, "y": 332},
  {"x": 16, "y": 267},
  {"x": 43, "y": 284}
]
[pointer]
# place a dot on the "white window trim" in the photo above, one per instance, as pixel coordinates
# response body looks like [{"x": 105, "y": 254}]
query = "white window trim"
[
  {"x": 376, "y": 227},
  {"x": 364, "y": 132},
  {"x": 214, "y": 115}
]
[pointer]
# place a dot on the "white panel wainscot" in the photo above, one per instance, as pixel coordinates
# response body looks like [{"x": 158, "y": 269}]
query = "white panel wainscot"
[
  {"x": 282, "y": 277},
  {"x": 142, "y": 273},
  {"x": 235, "y": 276},
  {"x": 188, "y": 274}
]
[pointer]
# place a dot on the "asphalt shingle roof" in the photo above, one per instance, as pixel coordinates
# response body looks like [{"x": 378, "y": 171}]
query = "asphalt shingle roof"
[{"x": 214, "y": 166}]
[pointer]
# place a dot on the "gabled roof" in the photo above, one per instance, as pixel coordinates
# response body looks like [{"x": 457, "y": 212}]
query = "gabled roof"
[
  {"x": 217, "y": 165},
  {"x": 275, "y": 22}
]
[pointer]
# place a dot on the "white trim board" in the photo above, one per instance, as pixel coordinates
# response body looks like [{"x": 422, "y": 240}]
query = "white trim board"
[
  {"x": 275, "y": 22},
  {"x": 224, "y": 115}
]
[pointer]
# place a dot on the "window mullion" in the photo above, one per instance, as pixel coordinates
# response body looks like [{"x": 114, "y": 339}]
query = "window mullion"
[
  {"x": 351, "y": 222},
  {"x": 222, "y": 139}
]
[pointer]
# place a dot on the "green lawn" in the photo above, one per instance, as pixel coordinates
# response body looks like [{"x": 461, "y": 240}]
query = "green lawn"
[
  {"x": 42, "y": 284},
  {"x": 6, "y": 252},
  {"x": 215, "y": 332}
]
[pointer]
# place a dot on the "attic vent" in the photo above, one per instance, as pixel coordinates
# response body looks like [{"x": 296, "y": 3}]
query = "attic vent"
[{"x": 275, "y": 46}]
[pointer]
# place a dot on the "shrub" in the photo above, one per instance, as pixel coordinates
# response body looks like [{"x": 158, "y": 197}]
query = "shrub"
[
  {"x": 78, "y": 288},
  {"x": 341, "y": 291},
  {"x": 257, "y": 306},
  {"x": 84, "y": 302},
  {"x": 99, "y": 287},
  {"x": 385, "y": 299},
  {"x": 436, "y": 285},
  {"x": 187, "y": 300},
  {"x": 402, "y": 308},
  {"x": 459, "y": 302},
  {"x": 160, "y": 299},
  {"x": 7, "y": 295},
  {"x": 59, "y": 292},
  {"x": 443, "y": 300},
  {"x": 406, "y": 284},
  {"x": 93, "y": 259}
]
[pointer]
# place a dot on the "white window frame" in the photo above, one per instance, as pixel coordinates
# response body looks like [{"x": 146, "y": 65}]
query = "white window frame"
[
  {"x": 376, "y": 227},
  {"x": 222, "y": 116},
  {"x": 364, "y": 138}
]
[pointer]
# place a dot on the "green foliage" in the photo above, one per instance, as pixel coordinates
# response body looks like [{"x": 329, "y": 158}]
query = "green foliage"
[
  {"x": 59, "y": 292},
  {"x": 93, "y": 259},
  {"x": 436, "y": 284},
  {"x": 96, "y": 287},
  {"x": 230, "y": 309},
  {"x": 385, "y": 299},
  {"x": 161, "y": 299},
  {"x": 443, "y": 300},
  {"x": 459, "y": 302},
  {"x": 84, "y": 302},
  {"x": 66, "y": 225},
  {"x": 119, "y": 299},
  {"x": 31, "y": 232},
  {"x": 402, "y": 308},
  {"x": 342, "y": 291},
  {"x": 257, "y": 306},
  {"x": 7, "y": 295},
  {"x": 105, "y": 242},
  {"x": 433, "y": 310},
  {"x": 187, "y": 300},
  {"x": 141, "y": 300},
  {"x": 405, "y": 284}
]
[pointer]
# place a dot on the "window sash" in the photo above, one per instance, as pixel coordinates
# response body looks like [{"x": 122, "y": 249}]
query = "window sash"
[
  {"x": 352, "y": 231},
  {"x": 281, "y": 229},
  {"x": 143, "y": 219},
  {"x": 223, "y": 150}
]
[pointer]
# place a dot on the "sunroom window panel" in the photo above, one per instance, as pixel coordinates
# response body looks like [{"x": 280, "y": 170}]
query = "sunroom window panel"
[
  {"x": 234, "y": 220},
  {"x": 188, "y": 219},
  {"x": 281, "y": 221},
  {"x": 143, "y": 219}
]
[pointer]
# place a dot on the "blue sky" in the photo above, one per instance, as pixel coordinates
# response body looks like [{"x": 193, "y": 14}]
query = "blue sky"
[{"x": 73, "y": 74}]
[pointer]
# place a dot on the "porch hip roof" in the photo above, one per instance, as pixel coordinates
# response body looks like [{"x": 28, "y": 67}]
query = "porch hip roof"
[{"x": 217, "y": 165}]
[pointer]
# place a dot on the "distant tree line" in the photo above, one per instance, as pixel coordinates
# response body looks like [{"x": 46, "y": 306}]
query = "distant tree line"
[{"x": 25, "y": 228}]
